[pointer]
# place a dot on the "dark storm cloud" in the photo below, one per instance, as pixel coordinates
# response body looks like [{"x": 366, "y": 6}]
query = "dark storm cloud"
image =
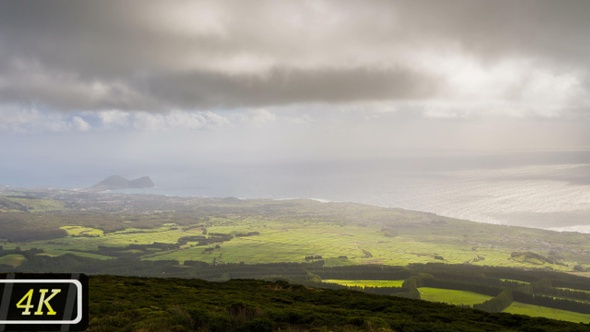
[
  {"x": 207, "y": 89},
  {"x": 156, "y": 55}
]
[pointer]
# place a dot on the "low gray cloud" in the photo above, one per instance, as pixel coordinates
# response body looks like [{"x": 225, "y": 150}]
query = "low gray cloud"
[{"x": 279, "y": 87}]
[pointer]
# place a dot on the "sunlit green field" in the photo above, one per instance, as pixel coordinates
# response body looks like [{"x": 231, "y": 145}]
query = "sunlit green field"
[
  {"x": 366, "y": 283},
  {"x": 259, "y": 232},
  {"x": 538, "y": 311},
  {"x": 284, "y": 241},
  {"x": 88, "y": 239},
  {"x": 456, "y": 297},
  {"x": 82, "y": 231},
  {"x": 12, "y": 259},
  {"x": 292, "y": 241},
  {"x": 516, "y": 281},
  {"x": 288, "y": 231},
  {"x": 577, "y": 290}
]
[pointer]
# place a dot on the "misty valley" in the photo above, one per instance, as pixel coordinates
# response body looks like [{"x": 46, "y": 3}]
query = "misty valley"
[{"x": 321, "y": 245}]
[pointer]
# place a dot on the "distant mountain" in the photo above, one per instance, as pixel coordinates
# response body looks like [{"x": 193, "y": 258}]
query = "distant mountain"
[
  {"x": 142, "y": 182},
  {"x": 119, "y": 182}
]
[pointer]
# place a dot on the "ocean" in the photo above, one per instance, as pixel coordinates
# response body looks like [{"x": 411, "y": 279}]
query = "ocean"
[
  {"x": 548, "y": 196},
  {"x": 538, "y": 190}
]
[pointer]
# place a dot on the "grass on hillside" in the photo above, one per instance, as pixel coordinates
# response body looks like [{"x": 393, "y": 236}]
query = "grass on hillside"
[
  {"x": 538, "y": 311},
  {"x": 366, "y": 283},
  {"x": 157, "y": 304},
  {"x": 288, "y": 241},
  {"x": 456, "y": 297},
  {"x": 516, "y": 281},
  {"x": 82, "y": 231},
  {"x": 12, "y": 259},
  {"x": 289, "y": 231}
]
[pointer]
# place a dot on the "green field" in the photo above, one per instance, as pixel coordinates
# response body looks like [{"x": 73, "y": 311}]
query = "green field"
[
  {"x": 161, "y": 234},
  {"x": 456, "y": 297},
  {"x": 85, "y": 240},
  {"x": 538, "y": 311},
  {"x": 516, "y": 281},
  {"x": 366, "y": 283},
  {"x": 288, "y": 241},
  {"x": 36, "y": 204},
  {"x": 291, "y": 240},
  {"x": 12, "y": 259},
  {"x": 82, "y": 231},
  {"x": 287, "y": 231}
]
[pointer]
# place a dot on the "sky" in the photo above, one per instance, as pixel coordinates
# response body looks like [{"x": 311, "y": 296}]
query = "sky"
[{"x": 112, "y": 86}]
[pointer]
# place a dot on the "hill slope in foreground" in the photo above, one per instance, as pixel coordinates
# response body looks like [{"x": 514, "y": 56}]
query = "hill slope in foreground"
[{"x": 156, "y": 304}]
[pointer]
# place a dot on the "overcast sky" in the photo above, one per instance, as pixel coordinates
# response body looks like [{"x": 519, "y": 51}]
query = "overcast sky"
[{"x": 93, "y": 83}]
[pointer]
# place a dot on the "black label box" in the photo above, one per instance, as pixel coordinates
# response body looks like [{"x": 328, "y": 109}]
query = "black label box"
[{"x": 43, "y": 302}]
